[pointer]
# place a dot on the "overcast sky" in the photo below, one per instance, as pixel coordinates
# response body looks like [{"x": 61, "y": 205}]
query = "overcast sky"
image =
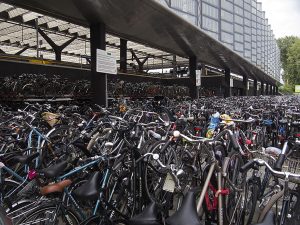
[{"x": 283, "y": 16}]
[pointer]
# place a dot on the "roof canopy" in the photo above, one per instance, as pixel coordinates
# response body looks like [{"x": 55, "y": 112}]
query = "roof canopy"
[{"x": 149, "y": 23}]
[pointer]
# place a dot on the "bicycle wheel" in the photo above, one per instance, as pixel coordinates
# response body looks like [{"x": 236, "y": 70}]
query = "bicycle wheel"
[
  {"x": 251, "y": 196},
  {"x": 233, "y": 202},
  {"x": 156, "y": 177},
  {"x": 58, "y": 145},
  {"x": 4, "y": 220},
  {"x": 274, "y": 199},
  {"x": 49, "y": 214}
]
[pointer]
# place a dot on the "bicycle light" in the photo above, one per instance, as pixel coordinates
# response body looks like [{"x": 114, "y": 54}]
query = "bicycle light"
[{"x": 176, "y": 133}]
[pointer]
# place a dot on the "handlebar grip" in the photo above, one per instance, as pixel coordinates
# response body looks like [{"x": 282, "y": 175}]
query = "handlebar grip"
[
  {"x": 247, "y": 166},
  {"x": 279, "y": 162}
]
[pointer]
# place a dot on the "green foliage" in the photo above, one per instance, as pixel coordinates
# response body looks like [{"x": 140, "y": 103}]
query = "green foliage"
[
  {"x": 293, "y": 63},
  {"x": 290, "y": 53},
  {"x": 287, "y": 89}
]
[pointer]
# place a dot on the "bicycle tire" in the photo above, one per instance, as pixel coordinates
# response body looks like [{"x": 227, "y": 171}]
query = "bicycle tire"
[
  {"x": 4, "y": 220},
  {"x": 230, "y": 199},
  {"x": 269, "y": 205},
  {"x": 254, "y": 189},
  {"x": 154, "y": 192},
  {"x": 48, "y": 208}
]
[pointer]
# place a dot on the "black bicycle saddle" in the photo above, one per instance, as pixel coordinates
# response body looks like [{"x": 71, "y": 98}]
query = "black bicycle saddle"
[
  {"x": 54, "y": 170},
  {"x": 25, "y": 159},
  {"x": 187, "y": 213},
  {"x": 269, "y": 219},
  {"x": 90, "y": 189},
  {"x": 149, "y": 216}
]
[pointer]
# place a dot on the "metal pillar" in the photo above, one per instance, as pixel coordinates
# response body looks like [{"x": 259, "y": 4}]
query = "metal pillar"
[
  {"x": 245, "y": 85},
  {"x": 255, "y": 87},
  {"x": 123, "y": 55},
  {"x": 192, "y": 68},
  {"x": 227, "y": 91},
  {"x": 98, "y": 80},
  {"x": 262, "y": 88},
  {"x": 267, "y": 89}
]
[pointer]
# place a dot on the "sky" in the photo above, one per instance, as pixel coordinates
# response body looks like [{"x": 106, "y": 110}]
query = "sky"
[{"x": 283, "y": 16}]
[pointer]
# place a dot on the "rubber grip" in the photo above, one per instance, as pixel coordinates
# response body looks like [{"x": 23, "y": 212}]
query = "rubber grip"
[
  {"x": 247, "y": 166},
  {"x": 279, "y": 162}
]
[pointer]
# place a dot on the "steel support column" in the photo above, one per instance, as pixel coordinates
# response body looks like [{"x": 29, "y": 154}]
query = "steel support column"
[
  {"x": 192, "y": 68},
  {"x": 123, "y": 55},
  {"x": 245, "y": 85},
  {"x": 98, "y": 80},
  {"x": 262, "y": 88},
  {"x": 267, "y": 89},
  {"x": 255, "y": 87},
  {"x": 227, "y": 91},
  {"x": 56, "y": 48}
]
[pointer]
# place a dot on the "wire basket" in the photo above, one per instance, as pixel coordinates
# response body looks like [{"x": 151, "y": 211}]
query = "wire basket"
[
  {"x": 51, "y": 118},
  {"x": 291, "y": 165}
]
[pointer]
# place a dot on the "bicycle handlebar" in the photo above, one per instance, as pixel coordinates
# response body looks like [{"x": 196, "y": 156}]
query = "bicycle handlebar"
[{"x": 293, "y": 177}]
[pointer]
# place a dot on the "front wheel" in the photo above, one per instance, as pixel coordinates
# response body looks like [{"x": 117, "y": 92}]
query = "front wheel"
[{"x": 251, "y": 196}]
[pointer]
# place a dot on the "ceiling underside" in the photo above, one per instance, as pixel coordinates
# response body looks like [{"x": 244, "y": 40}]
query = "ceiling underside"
[{"x": 141, "y": 21}]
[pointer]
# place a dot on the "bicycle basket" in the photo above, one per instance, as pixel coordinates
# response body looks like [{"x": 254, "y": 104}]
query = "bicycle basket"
[
  {"x": 291, "y": 165},
  {"x": 51, "y": 118}
]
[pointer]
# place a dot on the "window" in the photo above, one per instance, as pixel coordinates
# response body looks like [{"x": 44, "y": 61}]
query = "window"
[
  {"x": 248, "y": 45},
  {"x": 238, "y": 46},
  {"x": 226, "y": 16},
  {"x": 238, "y": 28},
  {"x": 212, "y": 2},
  {"x": 238, "y": 19},
  {"x": 247, "y": 30},
  {"x": 247, "y": 14},
  {"x": 226, "y": 37},
  {"x": 227, "y": 5},
  {"x": 247, "y": 22},
  {"x": 238, "y": 10},
  {"x": 238, "y": 2},
  {"x": 210, "y": 24},
  {"x": 247, "y": 37},
  {"x": 239, "y": 37},
  {"x": 247, "y": 6},
  {"x": 189, "y": 6},
  {"x": 210, "y": 11},
  {"x": 227, "y": 26}
]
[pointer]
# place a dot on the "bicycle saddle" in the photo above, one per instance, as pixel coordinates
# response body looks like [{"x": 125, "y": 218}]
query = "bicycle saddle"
[
  {"x": 54, "y": 170},
  {"x": 149, "y": 216},
  {"x": 187, "y": 213},
  {"x": 25, "y": 159},
  {"x": 269, "y": 219},
  {"x": 56, "y": 187},
  {"x": 90, "y": 189}
]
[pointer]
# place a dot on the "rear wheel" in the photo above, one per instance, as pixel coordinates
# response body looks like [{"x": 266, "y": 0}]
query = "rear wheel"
[{"x": 49, "y": 214}]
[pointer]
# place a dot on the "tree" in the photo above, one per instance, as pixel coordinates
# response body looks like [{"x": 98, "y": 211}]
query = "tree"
[
  {"x": 293, "y": 63},
  {"x": 285, "y": 45}
]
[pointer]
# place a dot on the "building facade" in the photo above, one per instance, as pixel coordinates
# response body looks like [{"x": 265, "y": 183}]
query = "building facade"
[{"x": 240, "y": 25}]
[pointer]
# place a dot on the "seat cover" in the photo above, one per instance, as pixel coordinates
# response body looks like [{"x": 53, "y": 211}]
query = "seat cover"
[
  {"x": 269, "y": 219},
  {"x": 54, "y": 170},
  {"x": 90, "y": 189},
  {"x": 25, "y": 159},
  {"x": 149, "y": 216},
  {"x": 187, "y": 213}
]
